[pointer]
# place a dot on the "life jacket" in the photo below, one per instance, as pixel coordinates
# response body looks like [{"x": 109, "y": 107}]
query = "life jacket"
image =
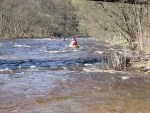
[{"x": 75, "y": 43}]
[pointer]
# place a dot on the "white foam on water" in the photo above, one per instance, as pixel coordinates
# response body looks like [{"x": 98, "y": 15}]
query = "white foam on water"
[
  {"x": 88, "y": 64},
  {"x": 125, "y": 77},
  {"x": 148, "y": 67},
  {"x": 98, "y": 70},
  {"x": 114, "y": 71},
  {"x": 99, "y": 52},
  {"x": 19, "y": 66},
  {"x": 65, "y": 68},
  {"x": 110, "y": 71},
  {"x": 17, "y": 45},
  {"x": 92, "y": 68},
  {"x": 75, "y": 50},
  {"x": 33, "y": 67},
  {"x": 95, "y": 69},
  {"x": 6, "y": 69},
  {"x": 46, "y": 51}
]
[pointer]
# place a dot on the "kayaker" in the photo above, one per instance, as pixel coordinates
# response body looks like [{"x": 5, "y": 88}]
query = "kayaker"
[
  {"x": 52, "y": 37},
  {"x": 64, "y": 39},
  {"x": 74, "y": 41}
]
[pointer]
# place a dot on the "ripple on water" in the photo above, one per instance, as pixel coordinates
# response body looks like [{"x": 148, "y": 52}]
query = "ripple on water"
[{"x": 66, "y": 80}]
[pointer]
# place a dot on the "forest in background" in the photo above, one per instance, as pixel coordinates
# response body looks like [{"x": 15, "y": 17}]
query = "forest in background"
[
  {"x": 104, "y": 20},
  {"x": 37, "y": 18}
]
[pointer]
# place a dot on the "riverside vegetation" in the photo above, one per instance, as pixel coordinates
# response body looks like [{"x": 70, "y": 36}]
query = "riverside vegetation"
[{"x": 122, "y": 24}]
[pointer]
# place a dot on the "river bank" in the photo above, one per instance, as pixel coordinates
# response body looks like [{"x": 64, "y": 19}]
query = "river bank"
[
  {"x": 139, "y": 60},
  {"x": 142, "y": 67}
]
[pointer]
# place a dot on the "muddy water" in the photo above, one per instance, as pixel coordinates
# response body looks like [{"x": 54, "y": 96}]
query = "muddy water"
[{"x": 45, "y": 76}]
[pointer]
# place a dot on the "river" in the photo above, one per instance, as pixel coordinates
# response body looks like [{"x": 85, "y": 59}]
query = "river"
[{"x": 46, "y": 76}]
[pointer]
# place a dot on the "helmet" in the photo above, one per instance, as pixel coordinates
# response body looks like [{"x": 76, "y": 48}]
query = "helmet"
[{"x": 74, "y": 37}]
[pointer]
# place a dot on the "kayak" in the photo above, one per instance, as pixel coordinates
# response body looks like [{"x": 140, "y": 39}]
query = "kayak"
[{"x": 73, "y": 46}]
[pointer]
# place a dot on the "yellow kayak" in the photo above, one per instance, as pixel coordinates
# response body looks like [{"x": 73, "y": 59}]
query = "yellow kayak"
[{"x": 74, "y": 46}]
